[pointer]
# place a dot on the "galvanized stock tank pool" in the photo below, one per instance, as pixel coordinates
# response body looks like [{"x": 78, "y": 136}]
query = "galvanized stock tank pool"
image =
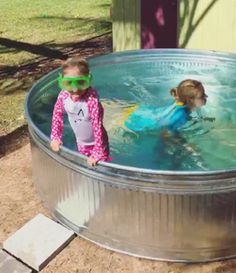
[{"x": 168, "y": 201}]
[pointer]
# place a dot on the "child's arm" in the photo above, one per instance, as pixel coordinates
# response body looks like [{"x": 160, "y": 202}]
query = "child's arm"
[
  {"x": 57, "y": 124},
  {"x": 100, "y": 148}
]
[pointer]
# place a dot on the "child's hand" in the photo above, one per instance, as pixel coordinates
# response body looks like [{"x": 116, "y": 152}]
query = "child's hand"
[
  {"x": 92, "y": 162},
  {"x": 55, "y": 145}
]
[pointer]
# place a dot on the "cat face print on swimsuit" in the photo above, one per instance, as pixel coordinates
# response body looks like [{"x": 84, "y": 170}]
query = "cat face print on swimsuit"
[{"x": 80, "y": 121}]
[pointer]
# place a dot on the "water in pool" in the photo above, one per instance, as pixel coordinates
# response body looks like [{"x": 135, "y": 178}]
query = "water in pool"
[{"x": 207, "y": 142}]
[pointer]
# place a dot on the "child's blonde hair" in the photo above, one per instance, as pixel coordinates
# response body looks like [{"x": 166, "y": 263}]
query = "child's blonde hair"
[
  {"x": 187, "y": 91},
  {"x": 77, "y": 62}
]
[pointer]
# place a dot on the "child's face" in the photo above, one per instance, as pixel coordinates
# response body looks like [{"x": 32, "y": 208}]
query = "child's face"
[
  {"x": 200, "y": 99},
  {"x": 73, "y": 72}
]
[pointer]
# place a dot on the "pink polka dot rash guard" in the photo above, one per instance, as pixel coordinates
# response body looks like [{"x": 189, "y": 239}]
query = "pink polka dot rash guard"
[{"x": 85, "y": 115}]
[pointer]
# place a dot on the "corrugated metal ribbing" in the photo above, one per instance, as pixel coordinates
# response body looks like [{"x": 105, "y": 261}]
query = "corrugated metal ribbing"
[{"x": 146, "y": 223}]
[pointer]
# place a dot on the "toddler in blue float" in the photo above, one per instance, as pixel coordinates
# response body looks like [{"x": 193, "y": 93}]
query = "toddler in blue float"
[{"x": 188, "y": 95}]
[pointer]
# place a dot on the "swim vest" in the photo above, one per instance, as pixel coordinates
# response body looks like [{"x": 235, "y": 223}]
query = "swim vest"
[{"x": 140, "y": 118}]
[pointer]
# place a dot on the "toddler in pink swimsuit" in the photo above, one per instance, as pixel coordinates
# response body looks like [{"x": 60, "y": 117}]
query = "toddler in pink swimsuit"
[{"x": 85, "y": 112}]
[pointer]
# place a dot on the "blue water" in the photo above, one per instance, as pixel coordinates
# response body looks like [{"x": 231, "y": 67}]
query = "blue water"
[{"x": 207, "y": 142}]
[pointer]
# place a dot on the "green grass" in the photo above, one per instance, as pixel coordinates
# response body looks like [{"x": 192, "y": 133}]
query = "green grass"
[
  {"x": 52, "y": 23},
  {"x": 55, "y": 24}
]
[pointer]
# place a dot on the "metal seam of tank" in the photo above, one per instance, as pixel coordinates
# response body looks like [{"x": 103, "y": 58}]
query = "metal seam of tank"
[{"x": 165, "y": 215}]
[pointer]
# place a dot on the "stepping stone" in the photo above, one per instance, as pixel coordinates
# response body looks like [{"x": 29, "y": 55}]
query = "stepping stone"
[
  {"x": 9, "y": 264},
  {"x": 38, "y": 241}
]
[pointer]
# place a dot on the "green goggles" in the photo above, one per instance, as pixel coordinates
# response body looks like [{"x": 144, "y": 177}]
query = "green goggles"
[{"x": 75, "y": 83}]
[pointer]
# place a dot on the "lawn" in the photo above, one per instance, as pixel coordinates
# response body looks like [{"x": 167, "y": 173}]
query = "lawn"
[{"x": 54, "y": 24}]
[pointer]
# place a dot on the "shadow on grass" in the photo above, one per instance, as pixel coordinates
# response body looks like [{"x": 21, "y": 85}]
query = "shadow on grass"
[
  {"x": 97, "y": 24},
  {"x": 32, "y": 48},
  {"x": 89, "y": 43},
  {"x": 4, "y": 50},
  {"x": 104, "y": 5},
  {"x": 93, "y": 46}
]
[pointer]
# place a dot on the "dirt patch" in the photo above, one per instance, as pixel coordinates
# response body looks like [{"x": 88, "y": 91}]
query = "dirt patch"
[
  {"x": 14, "y": 140},
  {"x": 19, "y": 203}
]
